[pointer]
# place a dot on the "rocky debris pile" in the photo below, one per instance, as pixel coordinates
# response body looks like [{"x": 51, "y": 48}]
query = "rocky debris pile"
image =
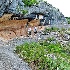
[
  {"x": 53, "y": 15},
  {"x": 10, "y": 6},
  {"x": 52, "y": 36}
]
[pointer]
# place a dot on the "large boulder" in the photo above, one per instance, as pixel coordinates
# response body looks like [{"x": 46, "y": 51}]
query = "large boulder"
[
  {"x": 11, "y": 6},
  {"x": 53, "y": 14}
]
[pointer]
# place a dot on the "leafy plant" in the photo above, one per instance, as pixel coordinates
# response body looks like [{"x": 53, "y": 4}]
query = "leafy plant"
[
  {"x": 51, "y": 29},
  {"x": 68, "y": 19},
  {"x": 30, "y": 2},
  {"x": 36, "y": 54},
  {"x": 24, "y": 12}
]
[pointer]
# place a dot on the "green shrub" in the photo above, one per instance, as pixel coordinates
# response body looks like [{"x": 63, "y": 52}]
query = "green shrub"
[
  {"x": 24, "y": 12},
  {"x": 36, "y": 53},
  {"x": 51, "y": 29},
  {"x": 29, "y": 2},
  {"x": 68, "y": 19}
]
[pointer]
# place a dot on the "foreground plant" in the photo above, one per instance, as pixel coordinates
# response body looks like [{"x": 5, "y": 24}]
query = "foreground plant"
[
  {"x": 51, "y": 29},
  {"x": 40, "y": 56}
]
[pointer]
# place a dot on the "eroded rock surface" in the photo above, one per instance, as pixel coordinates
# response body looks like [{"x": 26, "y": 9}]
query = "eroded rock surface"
[
  {"x": 52, "y": 14},
  {"x": 11, "y": 29},
  {"x": 10, "y": 6}
]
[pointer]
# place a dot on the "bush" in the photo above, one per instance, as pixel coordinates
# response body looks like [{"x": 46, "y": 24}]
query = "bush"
[
  {"x": 29, "y": 2},
  {"x": 51, "y": 29},
  {"x": 68, "y": 19},
  {"x": 24, "y": 12},
  {"x": 36, "y": 54}
]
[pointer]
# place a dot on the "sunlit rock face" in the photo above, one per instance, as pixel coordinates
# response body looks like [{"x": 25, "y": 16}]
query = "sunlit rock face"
[
  {"x": 10, "y": 6},
  {"x": 52, "y": 14}
]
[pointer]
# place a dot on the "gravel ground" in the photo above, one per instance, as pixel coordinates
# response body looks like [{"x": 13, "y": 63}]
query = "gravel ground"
[{"x": 10, "y": 60}]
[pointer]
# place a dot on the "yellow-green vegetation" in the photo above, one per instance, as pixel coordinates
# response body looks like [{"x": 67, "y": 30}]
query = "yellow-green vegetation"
[{"x": 37, "y": 55}]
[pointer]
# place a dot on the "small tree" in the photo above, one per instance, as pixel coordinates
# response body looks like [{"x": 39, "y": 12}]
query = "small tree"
[
  {"x": 24, "y": 12},
  {"x": 30, "y": 2}
]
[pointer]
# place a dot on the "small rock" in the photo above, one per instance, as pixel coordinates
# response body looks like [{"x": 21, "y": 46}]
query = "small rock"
[{"x": 51, "y": 56}]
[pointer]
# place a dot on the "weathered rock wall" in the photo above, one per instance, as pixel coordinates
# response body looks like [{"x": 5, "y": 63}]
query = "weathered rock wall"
[
  {"x": 11, "y": 6},
  {"x": 15, "y": 6},
  {"x": 53, "y": 14}
]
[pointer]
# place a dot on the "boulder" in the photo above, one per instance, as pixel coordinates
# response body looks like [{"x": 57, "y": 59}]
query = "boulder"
[
  {"x": 52, "y": 14},
  {"x": 11, "y": 6}
]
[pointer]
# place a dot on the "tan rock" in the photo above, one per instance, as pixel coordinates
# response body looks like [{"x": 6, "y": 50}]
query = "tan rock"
[
  {"x": 23, "y": 32},
  {"x": 17, "y": 32},
  {"x": 34, "y": 22},
  {"x": 5, "y": 17},
  {"x": 8, "y": 35},
  {"x": 41, "y": 28},
  {"x": 15, "y": 24}
]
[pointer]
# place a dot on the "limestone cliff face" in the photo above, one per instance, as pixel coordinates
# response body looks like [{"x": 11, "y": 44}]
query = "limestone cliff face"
[{"x": 10, "y": 6}]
